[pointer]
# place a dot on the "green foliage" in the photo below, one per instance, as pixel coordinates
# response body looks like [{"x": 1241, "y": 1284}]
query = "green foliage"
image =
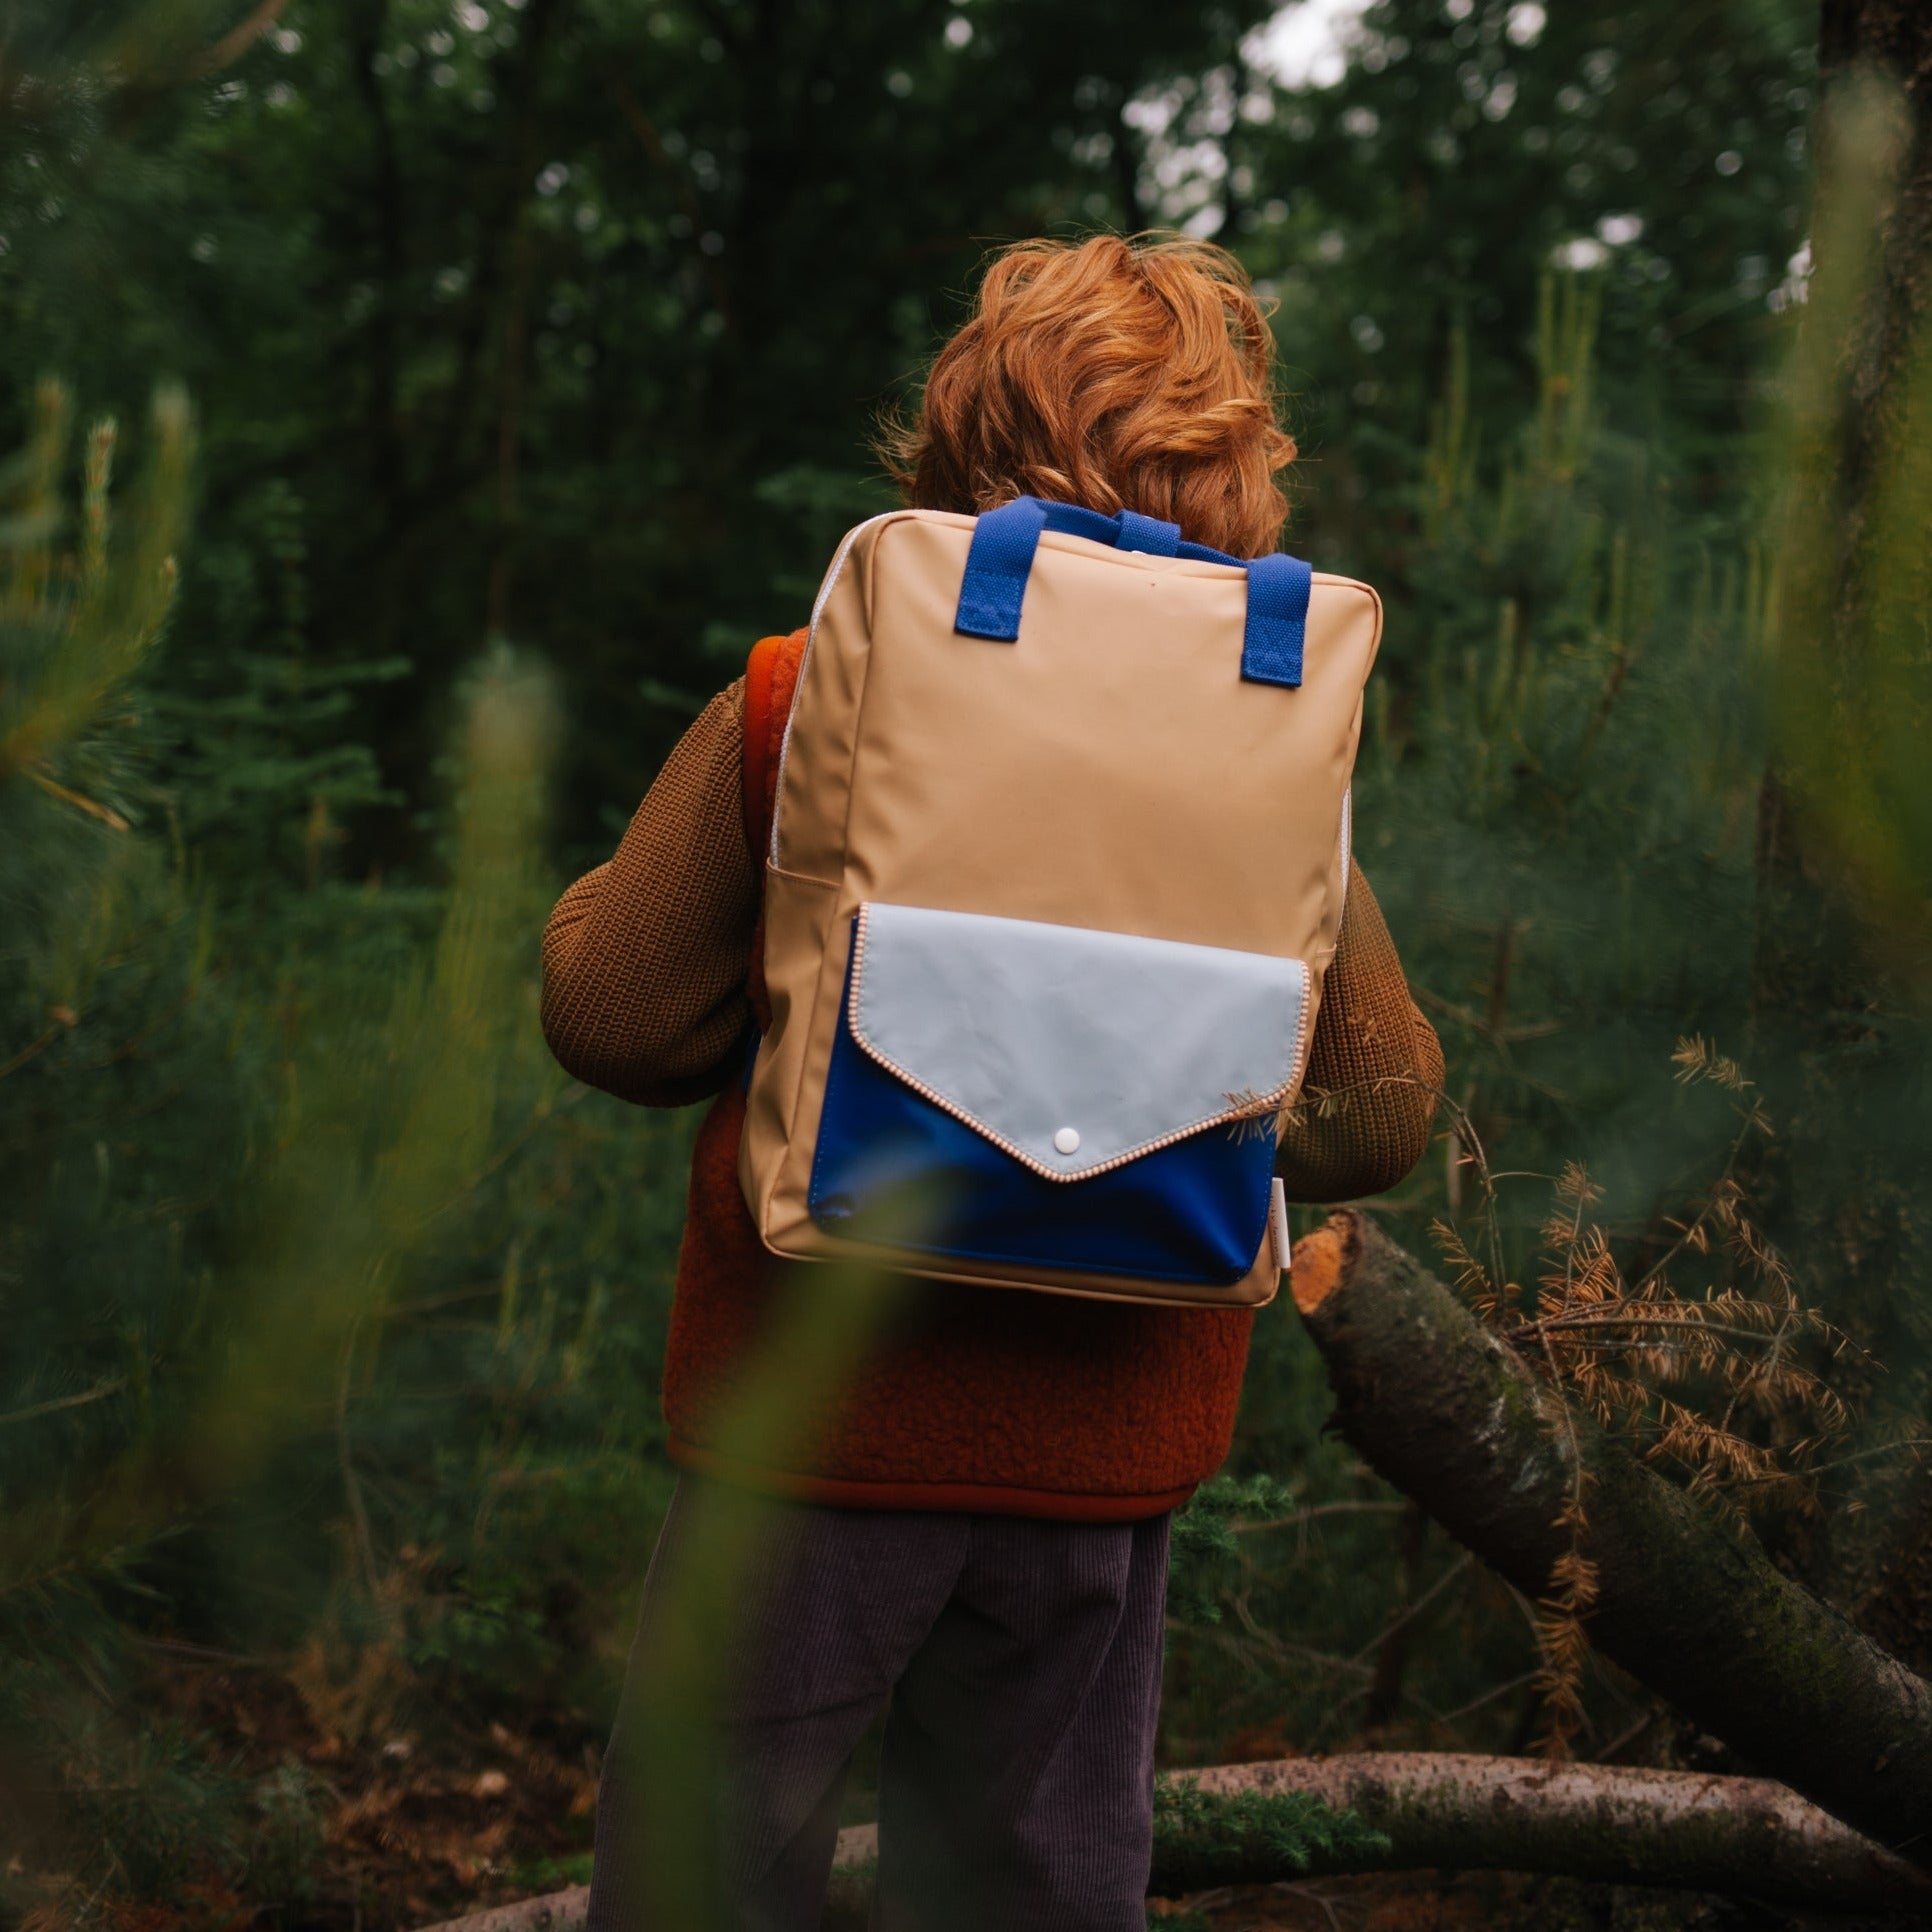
[
  {"x": 263, "y": 766},
  {"x": 1204, "y": 1542},
  {"x": 1214, "y": 1836},
  {"x": 1578, "y": 772},
  {"x": 290, "y": 1808},
  {"x": 208, "y": 1321},
  {"x": 1558, "y": 817},
  {"x": 542, "y": 1875},
  {"x": 156, "y": 1812}
]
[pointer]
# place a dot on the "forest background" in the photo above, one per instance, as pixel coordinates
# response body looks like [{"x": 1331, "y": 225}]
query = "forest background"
[{"x": 489, "y": 377}]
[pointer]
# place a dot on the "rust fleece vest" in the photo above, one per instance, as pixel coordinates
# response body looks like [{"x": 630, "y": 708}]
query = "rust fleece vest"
[{"x": 1015, "y": 1404}]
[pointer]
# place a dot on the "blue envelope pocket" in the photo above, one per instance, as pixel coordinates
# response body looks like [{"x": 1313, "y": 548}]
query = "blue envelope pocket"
[{"x": 1004, "y": 1090}]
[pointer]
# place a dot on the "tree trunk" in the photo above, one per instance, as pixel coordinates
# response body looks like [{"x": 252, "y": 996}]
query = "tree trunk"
[
  {"x": 1686, "y": 1604},
  {"x": 1741, "y": 1836}
]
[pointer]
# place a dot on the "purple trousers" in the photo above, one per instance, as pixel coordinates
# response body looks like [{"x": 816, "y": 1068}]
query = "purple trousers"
[{"x": 1019, "y": 1664}]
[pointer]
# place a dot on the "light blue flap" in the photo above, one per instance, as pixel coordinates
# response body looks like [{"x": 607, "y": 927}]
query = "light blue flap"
[{"x": 1074, "y": 1050}]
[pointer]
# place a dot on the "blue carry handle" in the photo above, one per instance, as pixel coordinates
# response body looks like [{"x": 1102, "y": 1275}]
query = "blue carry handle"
[{"x": 1001, "y": 558}]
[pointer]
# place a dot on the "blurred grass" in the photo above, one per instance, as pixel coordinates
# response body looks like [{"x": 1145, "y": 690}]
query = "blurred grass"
[{"x": 1851, "y": 679}]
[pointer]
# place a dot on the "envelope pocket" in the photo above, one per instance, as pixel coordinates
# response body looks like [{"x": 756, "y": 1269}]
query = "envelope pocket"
[{"x": 1009, "y": 1091}]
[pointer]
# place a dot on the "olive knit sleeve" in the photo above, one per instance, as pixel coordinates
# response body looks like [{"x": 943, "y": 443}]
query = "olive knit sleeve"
[
  {"x": 644, "y": 959},
  {"x": 1374, "y": 1070}
]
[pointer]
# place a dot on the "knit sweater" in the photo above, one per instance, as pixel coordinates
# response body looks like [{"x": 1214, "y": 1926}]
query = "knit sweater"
[{"x": 978, "y": 1399}]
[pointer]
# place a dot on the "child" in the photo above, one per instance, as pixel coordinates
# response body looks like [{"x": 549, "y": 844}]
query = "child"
[{"x": 980, "y": 1535}]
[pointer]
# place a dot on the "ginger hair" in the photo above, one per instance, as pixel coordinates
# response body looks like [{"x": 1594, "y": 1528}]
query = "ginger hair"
[{"x": 1110, "y": 373}]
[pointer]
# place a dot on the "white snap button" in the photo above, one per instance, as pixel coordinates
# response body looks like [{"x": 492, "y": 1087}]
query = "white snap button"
[{"x": 1067, "y": 1141}]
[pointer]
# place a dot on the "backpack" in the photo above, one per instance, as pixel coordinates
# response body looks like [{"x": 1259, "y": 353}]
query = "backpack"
[{"x": 1057, "y": 863}]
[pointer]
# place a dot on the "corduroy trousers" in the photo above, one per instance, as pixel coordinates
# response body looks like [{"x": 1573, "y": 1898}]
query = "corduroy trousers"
[{"x": 1019, "y": 1666}]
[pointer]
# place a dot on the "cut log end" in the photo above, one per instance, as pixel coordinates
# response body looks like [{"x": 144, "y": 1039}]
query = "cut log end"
[{"x": 1321, "y": 1260}]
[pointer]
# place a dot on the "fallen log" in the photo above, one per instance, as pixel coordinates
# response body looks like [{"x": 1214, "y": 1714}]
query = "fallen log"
[
  {"x": 1739, "y": 1836},
  {"x": 1611, "y": 1823},
  {"x": 1688, "y": 1605}
]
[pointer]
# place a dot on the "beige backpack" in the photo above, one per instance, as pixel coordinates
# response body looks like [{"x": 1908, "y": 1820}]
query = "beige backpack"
[{"x": 1057, "y": 864}]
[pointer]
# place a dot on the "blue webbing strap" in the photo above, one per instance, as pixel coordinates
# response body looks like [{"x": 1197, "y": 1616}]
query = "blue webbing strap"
[
  {"x": 1070, "y": 520},
  {"x": 1000, "y": 558},
  {"x": 997, "y": 564},
  {"x": 1148, "y": 534},
  {"x": 1271, "y": 645}
]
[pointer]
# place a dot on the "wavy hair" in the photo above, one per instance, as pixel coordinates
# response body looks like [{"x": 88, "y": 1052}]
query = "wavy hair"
[{"x": 1112, "y": 373}]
